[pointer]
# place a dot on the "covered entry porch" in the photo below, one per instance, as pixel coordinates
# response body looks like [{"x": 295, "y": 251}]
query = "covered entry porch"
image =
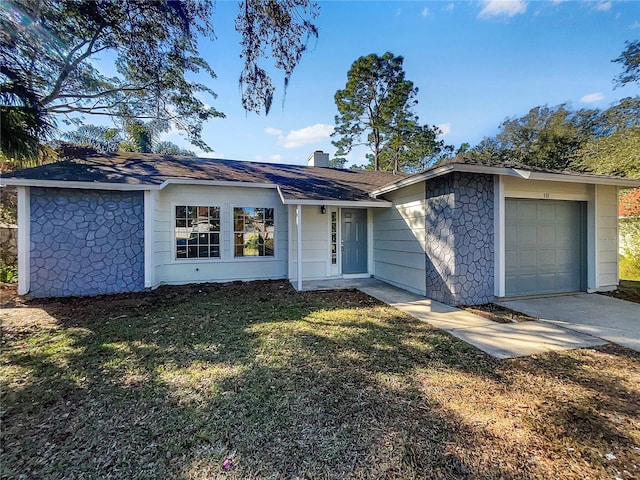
[{"x": 330, "y": 244}]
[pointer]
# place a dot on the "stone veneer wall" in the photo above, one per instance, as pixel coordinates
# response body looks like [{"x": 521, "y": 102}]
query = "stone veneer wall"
[
  {"x": 86, "y": 242},
  {"x": 460, "y": 238}
]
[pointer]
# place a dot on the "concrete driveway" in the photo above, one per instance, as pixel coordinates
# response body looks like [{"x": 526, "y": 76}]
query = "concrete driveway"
[
  {"x": 608, "y": 318},
  {"x": 500, "y": 340}
]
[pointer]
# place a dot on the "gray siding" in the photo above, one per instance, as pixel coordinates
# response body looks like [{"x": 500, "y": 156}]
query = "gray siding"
[
  {"x": 399, "y": 238},
  {"x": 86, "y": 242},
  {"x": 460, "y": 239}
]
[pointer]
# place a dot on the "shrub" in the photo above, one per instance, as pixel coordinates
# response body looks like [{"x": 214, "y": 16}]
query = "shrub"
[
  {"x": 8, "y": 274},
  {"x": 630, "y": 247}
]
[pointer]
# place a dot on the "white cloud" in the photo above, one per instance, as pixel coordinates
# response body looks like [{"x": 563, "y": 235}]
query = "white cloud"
[
  {"x": 306, "y": 136},
  {"x": 425, "y": 12},
  {"x": 272, "y": 131},
  {"x": 203, "y": 154},
  {"x": 449, "y": 7},
  {"x": 276, "y": 158},
  {"x": 592, "y": 98},
  {"x": 602, "y": 6},
  {"x": 635, "y": 25},
  {"x": 495, "y": 8},
  {"x": 445, "y": 128}
]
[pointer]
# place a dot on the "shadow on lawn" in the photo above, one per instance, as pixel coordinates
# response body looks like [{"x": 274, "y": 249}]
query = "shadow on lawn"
[
  {"x": 597, "y": 417},
  {"x": 173, "y": 382}
]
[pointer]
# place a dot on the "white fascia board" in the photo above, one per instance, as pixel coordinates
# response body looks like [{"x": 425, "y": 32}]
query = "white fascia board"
[
  {"x": 126, "y": 186},
  {"x": 513, "y": 172},
  {"x": 339, "y": 203},
  {"x": 280, "y": 195},
  {"x": 567, "y": 177},
  {"x": 21, "y": 182},
  {"x": 215, "y": 183},
  {"x": 439, "y": 171},
  {"x": 417, "y": 178}
]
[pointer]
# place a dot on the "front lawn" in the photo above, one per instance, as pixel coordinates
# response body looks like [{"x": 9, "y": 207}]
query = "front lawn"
[{"x": 257, "y": 381}]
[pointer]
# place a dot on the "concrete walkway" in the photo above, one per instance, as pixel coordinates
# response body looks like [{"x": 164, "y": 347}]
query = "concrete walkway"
[
  {"x": 611, "y": 319},
  {"x": 500, "y": 340}
]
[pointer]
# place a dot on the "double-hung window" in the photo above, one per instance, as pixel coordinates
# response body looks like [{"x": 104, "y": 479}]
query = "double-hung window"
[
  {"x": 197, "y": 231},
  {"x": 253, "y": 232}
]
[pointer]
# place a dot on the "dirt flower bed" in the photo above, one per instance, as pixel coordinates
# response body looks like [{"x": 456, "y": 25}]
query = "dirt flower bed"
[
  {"x": 628, "y": 290},
  {"x": 498, "y": 313},
  {"x": 257, "y": 381}
]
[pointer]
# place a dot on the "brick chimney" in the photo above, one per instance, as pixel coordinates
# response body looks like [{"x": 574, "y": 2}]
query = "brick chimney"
[{"x": 318, "y": 159}]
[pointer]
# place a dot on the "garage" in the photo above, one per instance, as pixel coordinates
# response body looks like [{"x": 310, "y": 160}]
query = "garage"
[{"x": 545, "y": 246}]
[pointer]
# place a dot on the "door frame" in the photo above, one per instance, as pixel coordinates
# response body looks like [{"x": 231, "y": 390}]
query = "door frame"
[
  {"x": 336, "y": 270},
  {"x": 365, "y": 214}
]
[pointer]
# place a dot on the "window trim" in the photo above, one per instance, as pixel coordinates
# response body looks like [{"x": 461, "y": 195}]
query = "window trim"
[
  {"x": 172, "y": 241},
  {"x": 232, "y": 236}
]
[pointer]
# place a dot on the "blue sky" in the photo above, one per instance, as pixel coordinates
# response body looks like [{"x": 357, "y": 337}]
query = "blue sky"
[{"x": 475, "y": 63}]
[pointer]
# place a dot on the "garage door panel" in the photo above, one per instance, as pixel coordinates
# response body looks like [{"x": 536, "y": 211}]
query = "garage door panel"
[
  {"x": 526, "y": 211},
  {"x": 546, "y": 282},
  {"x": 545, "y": 211},
  {"x": 527, "y": 260},
  {"x": 565, "y": 213},
  {"x": 511, "y": 240},
  {"x": 527, "y": 282},
  {"x": 545, "y": 236},
  {"x": 510, "y": 211},
  {"x": 547, "y": 259},
  {"x": 566, "y": 236},
  {"x": 526, "y": 236},
  {"x": 544, "y": 248}
]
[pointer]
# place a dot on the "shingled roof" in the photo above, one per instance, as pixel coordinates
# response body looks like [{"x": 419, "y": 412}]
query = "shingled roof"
[{"x": 295, "y": 182}]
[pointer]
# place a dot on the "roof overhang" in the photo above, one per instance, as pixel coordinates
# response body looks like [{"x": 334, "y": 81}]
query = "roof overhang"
[
  {"x": 578, "y": 178},
  {"x": 20, "y": 182},
  {"x": 507, "y": 171},
  {"x": 373, "y": 203}
]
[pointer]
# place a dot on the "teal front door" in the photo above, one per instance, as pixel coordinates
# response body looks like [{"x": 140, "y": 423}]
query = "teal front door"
[{"x": 354, "y": 241}]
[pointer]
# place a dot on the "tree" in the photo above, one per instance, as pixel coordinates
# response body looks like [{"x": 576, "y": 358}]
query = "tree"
[
  {"x": 630, "y": 60},
  {"x": 376, "y": 110},
  {"x": 134, "y": 136},
  {"x": 281, "y": 27},
  {"x": 48, "y": 48},
  {"x": 601, "y": 141},
  {"x": 547, "y": 137},
  {"x": 414, "y": 149},
  {"x": 101, "y": 139},
  {"x": 615, "y": 154}
]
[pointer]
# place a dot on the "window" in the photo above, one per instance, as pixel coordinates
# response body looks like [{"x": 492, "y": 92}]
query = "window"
[
  {"x": 334, "y": 238},
  {"x": 254, "y": 231},
  {"x": 197, "y": 232}
]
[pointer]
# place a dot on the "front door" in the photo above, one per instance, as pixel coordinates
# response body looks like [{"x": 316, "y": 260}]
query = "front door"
[{"x": 354, "y": 241}]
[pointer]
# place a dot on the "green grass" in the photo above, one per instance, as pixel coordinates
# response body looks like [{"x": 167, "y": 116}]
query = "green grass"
[
  {"x": 629, "y": 269},
  {"x": 172, "y": 383}
]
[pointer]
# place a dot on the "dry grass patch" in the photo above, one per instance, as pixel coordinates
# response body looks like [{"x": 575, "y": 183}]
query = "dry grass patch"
[{"x": 258, "y": 381}]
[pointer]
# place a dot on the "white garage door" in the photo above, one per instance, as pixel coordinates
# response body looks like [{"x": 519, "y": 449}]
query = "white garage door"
[{"x": 545, "y": 246}]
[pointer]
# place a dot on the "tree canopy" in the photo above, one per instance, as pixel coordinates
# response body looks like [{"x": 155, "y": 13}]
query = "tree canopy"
[
  {"x": 630, "y": 60},
  {"x": 561, "y": 138},
  {"x": 375, "y": 109},
  {"x": 49, "y": 48},
  {"x": 133, "y": 136}
]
